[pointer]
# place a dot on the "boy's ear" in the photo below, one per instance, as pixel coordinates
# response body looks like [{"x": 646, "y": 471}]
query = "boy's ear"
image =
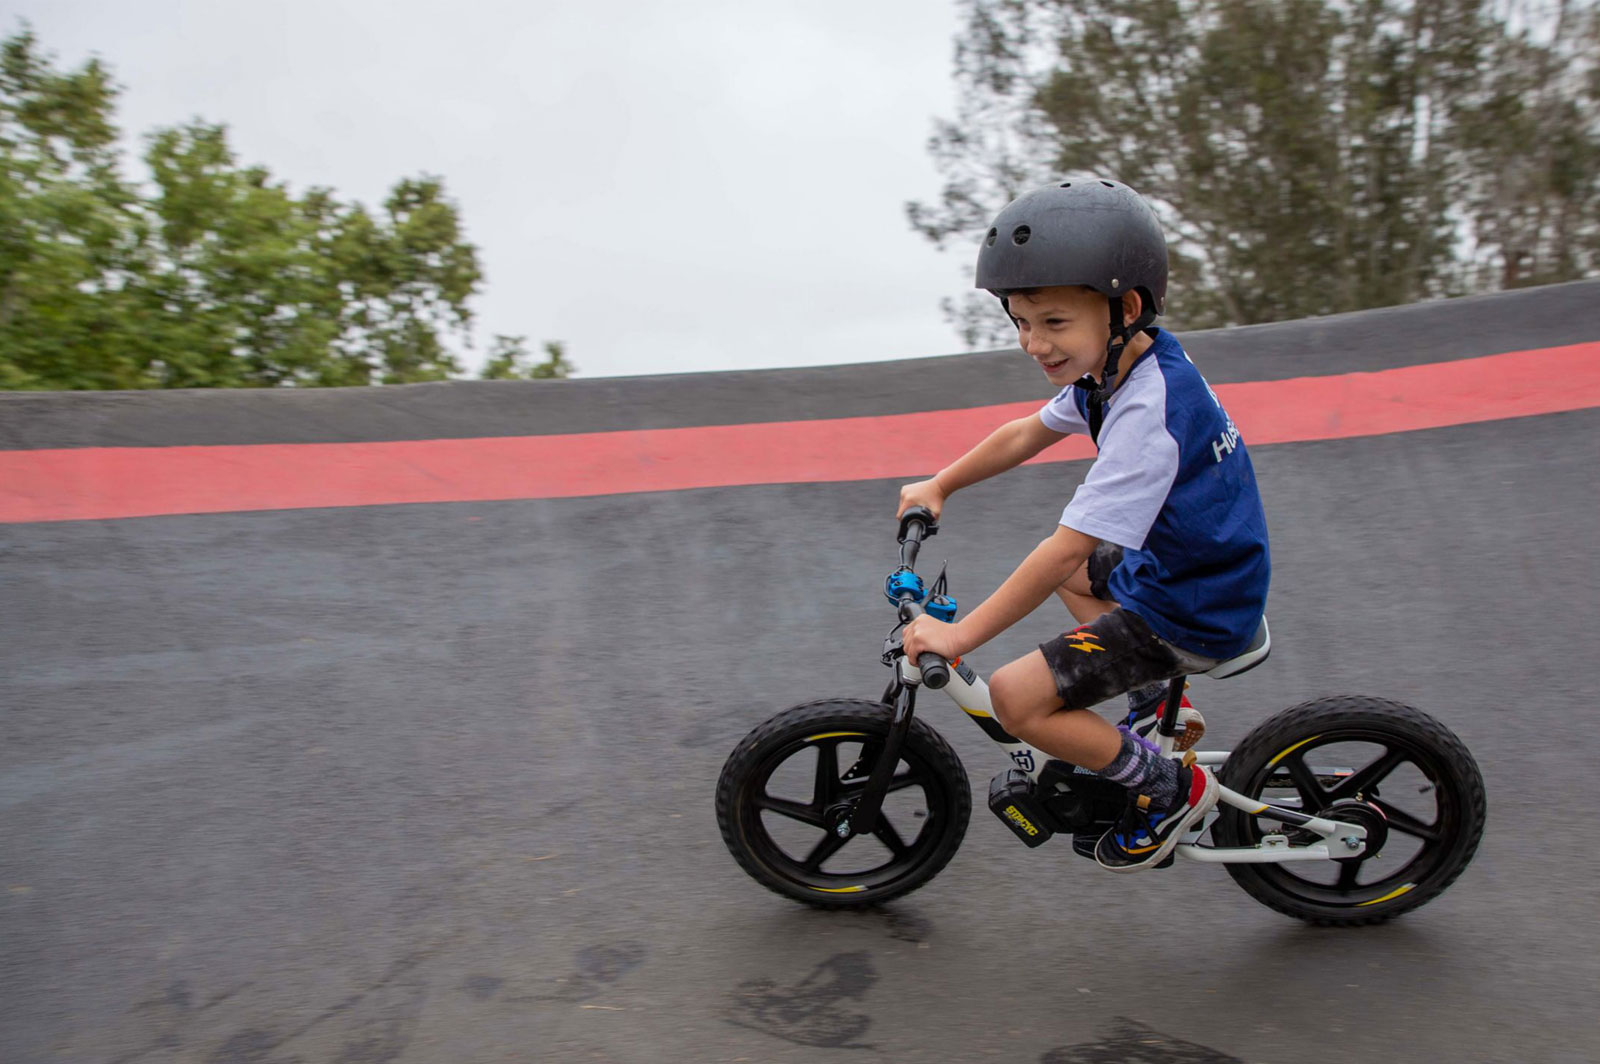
[{"x": 1132, "y": 305}]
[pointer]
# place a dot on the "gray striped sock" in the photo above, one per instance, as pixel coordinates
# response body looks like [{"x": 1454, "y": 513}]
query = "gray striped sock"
[{"x": 1143, "y": 772}]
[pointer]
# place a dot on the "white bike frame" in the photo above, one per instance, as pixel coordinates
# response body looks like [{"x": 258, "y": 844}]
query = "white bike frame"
[{"x": 1338, "y": 839}]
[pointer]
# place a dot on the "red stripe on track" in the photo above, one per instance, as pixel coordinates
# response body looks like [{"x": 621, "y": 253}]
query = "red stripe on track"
[{"x": 108, "y": 482}]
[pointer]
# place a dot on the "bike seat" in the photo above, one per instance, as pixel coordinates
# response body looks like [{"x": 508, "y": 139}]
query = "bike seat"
[{"x": 1260, "y": 646}]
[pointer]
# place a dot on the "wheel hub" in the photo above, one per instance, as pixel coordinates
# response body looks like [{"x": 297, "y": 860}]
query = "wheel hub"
[
  {"x": 837, "y": 819},
  {"x": 1363, "y": 815}
]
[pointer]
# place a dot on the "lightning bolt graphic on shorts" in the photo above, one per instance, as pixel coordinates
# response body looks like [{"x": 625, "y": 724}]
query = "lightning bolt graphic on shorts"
[{"x": 1087, "y": 642}]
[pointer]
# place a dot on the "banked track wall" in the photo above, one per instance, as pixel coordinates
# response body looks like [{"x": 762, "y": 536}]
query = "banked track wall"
[
  {"x": 287, "y": 773},
  {"x": 67, "y": 456}
]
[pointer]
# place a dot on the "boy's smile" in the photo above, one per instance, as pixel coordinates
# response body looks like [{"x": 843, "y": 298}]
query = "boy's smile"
[{"x": 1065, "y": 329}]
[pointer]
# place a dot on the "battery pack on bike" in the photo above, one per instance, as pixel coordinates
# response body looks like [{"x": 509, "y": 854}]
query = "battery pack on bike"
[{"x": 1013, "y": 798}]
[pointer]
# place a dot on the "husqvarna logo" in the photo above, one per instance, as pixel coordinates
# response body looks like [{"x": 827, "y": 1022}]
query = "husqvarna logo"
[{"x": 1225, "y": 444}]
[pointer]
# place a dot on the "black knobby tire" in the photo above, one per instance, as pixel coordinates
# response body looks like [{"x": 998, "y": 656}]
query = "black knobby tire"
[
  {"x": 1295, "y": 755},
  {"x": 786, "y": 841}
]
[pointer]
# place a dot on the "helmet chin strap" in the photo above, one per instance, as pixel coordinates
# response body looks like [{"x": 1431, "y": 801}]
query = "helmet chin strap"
[{"x": 1100, "y": 390}]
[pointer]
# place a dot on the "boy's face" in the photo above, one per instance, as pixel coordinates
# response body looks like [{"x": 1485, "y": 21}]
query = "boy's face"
[{"x": 1064, "y": 330}]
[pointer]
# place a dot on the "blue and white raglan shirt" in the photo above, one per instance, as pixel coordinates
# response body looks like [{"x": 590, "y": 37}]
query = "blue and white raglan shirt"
[{"x": 1175, "y": 489}]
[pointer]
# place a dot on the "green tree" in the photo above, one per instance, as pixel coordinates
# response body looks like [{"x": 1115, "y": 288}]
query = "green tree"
[
  {"x": 215, "y": 275},
  {"x": 69, "y": 228},
  {"x": 1306, "y": 156},
  {"x": 1530, "y": 133},
  {"x": 272, "y": 289},
  {"x": 509, "y": 361}
]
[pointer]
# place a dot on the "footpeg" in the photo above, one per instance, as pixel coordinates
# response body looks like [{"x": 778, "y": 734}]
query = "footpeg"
[{"x": 1013, "y": 799}]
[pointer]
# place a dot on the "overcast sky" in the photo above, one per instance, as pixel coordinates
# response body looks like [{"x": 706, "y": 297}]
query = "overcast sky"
[{"x": 666, "y": 186}]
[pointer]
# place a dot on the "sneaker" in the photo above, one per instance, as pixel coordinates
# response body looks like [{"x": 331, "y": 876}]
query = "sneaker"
[
  {"x": 1191, "y": 725},
  {"x": 1144, "y": 838}
]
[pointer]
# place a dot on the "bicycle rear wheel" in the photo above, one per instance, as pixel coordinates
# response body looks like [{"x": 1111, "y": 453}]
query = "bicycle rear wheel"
[
  {"x": 1394, "y": 770},
  {"x": 788, "y": 785}
]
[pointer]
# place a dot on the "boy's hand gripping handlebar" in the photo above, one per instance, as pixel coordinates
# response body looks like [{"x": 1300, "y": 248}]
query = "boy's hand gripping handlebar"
[{"x": 905, "y": 587}]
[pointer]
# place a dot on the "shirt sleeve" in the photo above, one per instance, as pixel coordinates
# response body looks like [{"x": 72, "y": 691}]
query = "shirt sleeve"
[
  {"x": 1061, "y": 413},
  {"x": 1130, "y": 481}
]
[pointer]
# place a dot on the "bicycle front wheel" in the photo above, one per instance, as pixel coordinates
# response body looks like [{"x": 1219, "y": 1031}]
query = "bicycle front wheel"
[{"x": 789, "y": 784}]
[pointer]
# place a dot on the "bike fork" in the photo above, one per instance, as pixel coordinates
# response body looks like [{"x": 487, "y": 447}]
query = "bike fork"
[{"x": 864, "y": 818}]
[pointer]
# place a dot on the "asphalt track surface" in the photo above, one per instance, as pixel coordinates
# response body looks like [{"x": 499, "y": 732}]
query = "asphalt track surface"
[{"x": 434, "y": 782}]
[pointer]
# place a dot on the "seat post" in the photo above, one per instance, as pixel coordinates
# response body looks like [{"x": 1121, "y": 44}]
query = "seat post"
[{"x": 1169, "y": 715}]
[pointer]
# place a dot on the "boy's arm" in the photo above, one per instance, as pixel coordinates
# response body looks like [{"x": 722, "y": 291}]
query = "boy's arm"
[
  {"x": 1040, "y": 573},
  {"x": 1005, "y": 448}
]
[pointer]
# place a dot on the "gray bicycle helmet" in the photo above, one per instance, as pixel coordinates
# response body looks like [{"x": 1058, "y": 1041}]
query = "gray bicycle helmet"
[{"x": 1096, "y": 233}]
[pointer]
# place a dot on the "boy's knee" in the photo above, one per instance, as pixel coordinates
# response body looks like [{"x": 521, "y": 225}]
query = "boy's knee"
[
  {"x": 1017, "y": 698},
  {"x": 1002, "y": 697}
]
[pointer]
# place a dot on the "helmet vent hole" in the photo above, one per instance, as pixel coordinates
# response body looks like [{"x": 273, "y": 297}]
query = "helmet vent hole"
[
  {"x": 1020, "y": 234},
  {"x": 1108, "y": 184},
  {"x": 1066, "y": 184},
  {"x": 989, "y": 240}
]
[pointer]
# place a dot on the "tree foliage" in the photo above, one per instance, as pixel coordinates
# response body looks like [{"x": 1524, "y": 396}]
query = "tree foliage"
[
  {"x": 509, "y": 361},
  {"x": 212, "y": 274},
  {"x": 1307, "y": 156}
]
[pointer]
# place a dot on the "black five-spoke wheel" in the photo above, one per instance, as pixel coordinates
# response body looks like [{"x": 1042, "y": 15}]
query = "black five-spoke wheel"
[
  {"x": 789, "y": 791},
  {"x": 1389, "y": 768}
]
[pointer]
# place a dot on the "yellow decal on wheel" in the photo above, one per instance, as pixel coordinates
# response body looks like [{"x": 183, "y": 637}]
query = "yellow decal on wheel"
[
  {"x": 1387, "y": 897},
  {"x": 840, "y": 890},
  {"x": 836, "y": 735},
  {"x": 1292, "y": 749}
]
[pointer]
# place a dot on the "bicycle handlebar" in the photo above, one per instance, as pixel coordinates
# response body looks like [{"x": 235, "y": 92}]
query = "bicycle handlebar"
[{"x": 916, "y": 524}]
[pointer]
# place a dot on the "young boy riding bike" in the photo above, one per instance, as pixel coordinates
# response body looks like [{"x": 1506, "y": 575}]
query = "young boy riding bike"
[{"x": 1161, "y": 554}]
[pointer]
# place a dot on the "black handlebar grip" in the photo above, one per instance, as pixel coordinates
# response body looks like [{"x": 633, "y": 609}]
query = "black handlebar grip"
[
  {"x": 921, "y": 518},
  {"x": 935, "y": 672}
]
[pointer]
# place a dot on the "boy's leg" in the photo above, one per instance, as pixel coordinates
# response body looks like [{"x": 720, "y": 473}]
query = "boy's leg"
[
  {"x": 1087, "y": 598},
  {"x": 1111, "y": 655},
  {"x": 1044, "y": 698},
  {"x": 1028, "y": 705}
]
